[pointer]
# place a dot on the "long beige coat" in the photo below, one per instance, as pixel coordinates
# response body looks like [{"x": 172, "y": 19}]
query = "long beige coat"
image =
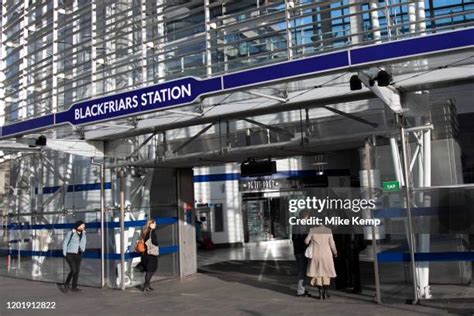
[{"x": 322, "y": 264}]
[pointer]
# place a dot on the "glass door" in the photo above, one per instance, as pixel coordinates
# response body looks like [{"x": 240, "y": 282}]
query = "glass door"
[{"x": 257, "y": 220}]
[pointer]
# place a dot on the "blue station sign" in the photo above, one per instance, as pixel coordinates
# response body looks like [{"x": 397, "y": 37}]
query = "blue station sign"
[
  {"x": 182, "y": 91},
  {"x": 187, "y": 90}
]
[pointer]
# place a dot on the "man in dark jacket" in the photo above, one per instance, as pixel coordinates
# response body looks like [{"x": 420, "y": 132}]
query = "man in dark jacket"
[{"x": 299, "y": 246}]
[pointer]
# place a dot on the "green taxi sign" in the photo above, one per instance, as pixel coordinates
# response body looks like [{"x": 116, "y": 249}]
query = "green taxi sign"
[{"x": 391, "y": 186}]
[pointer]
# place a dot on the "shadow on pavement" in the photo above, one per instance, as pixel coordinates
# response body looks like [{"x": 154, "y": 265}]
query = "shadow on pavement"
[{"x": 277, "y": 275}]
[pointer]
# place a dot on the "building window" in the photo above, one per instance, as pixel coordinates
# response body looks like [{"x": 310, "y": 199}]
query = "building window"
[{"x": 218, "y": 218}]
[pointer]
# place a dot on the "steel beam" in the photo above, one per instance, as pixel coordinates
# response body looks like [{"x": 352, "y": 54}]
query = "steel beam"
[
  {"x": 141, "y": 146},
  {"x": 186, "y": 143},
  {"x": 408, "y": 201},
  {"x": 184, "y": 113},
  {"x": 351, "y": 116},
  {"x": 390, "y": 96},
  {"x": 268, "y": 96},
  {"x": 277, "y": 129}
]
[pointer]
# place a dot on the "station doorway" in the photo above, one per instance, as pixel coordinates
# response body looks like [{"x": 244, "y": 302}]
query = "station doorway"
[{"x": 265, "y": 217}]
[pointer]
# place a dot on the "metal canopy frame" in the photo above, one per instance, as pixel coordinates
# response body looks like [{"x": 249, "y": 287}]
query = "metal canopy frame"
[{"x": 65, "y": 16}]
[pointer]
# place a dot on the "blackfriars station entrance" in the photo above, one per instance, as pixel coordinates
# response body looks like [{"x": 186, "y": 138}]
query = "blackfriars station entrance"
[{"x": 386, "y": 118}]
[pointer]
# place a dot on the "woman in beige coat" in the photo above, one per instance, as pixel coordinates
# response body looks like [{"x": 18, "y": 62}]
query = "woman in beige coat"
[{"x": 321, "y": 265}]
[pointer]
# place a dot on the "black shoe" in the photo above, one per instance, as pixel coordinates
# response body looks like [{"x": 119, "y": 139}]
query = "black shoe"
[
  {"x": 326, "y": 292},
  {"x": 63, "y": 287},
  {"x": 320, "y": 297},
  {"x": 150, "y": 288},
  {"x": 304, "y": 294},
  {"x": 75, "y": 289}
]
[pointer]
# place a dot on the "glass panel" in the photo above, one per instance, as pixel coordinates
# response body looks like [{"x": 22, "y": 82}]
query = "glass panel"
[
  {"x": 396, "y": 281},
  {"x": 444, "y": 225},
  {"x": 443, "y": 228},
  {"x": 135, "y": 219},
  {"x": 32, "y": 247}
]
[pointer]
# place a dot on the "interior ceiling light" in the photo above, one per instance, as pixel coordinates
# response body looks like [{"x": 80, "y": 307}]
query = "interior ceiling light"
[{"x": 320, "y": 163}]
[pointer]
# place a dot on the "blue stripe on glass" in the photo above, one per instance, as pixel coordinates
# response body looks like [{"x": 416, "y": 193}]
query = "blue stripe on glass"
[
  {"x": 426, "y": 256},
  {"x": 397, "y": 212},
  {"x": 87, "y": 255},
  {"x": 77, "y": 187},
  {"x": 15, "y": 241},
  {"x": 140, "y": 223}
]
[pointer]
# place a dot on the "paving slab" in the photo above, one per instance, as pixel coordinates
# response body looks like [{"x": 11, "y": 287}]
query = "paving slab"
[{"x": 202, "y": 294}]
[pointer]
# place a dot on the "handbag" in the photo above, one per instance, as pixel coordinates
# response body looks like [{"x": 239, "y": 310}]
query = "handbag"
[
  {"x": 151, "y": 249},
  {"x": 140, "y": 246},
  {"x": 308, "y": 253}
]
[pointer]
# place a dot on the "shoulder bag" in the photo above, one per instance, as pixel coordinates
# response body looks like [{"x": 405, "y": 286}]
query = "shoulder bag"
[
  {"x": 140, "y": 245},
  {"x": 309, "y": 251},
  {"x": 151, "y": 249}
]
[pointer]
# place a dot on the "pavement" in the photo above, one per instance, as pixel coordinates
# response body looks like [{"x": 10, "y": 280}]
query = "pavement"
[
  {"x": 253, "y": 280},
  {"x": 216, "y": 290}
]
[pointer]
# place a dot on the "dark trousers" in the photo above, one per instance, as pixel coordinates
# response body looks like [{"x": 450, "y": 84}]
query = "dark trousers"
[
  {"x": 301, "y": 265},
  {"x": 148, "y": 276},
  {"x": 355, "y": 271},
  {"x": 74, "y": 261}
]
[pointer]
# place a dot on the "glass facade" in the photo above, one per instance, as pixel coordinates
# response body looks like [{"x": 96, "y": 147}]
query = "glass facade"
[
  {"x": 44, "y": 194},
  {"x": 55, "y": 53}
]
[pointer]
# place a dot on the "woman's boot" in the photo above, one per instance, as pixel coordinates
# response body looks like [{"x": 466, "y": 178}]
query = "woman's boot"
[
  {"x": 145, "y": 287},
  {"x": 326, "y": 291},
  {"x": 320, "y": 292}
]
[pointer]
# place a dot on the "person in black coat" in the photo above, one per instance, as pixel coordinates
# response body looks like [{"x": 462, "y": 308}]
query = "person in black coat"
[
  {"x": 348, "y": 265},
  {"x": 150, "y": 262},
  {"x": 299, "y": 246}
]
